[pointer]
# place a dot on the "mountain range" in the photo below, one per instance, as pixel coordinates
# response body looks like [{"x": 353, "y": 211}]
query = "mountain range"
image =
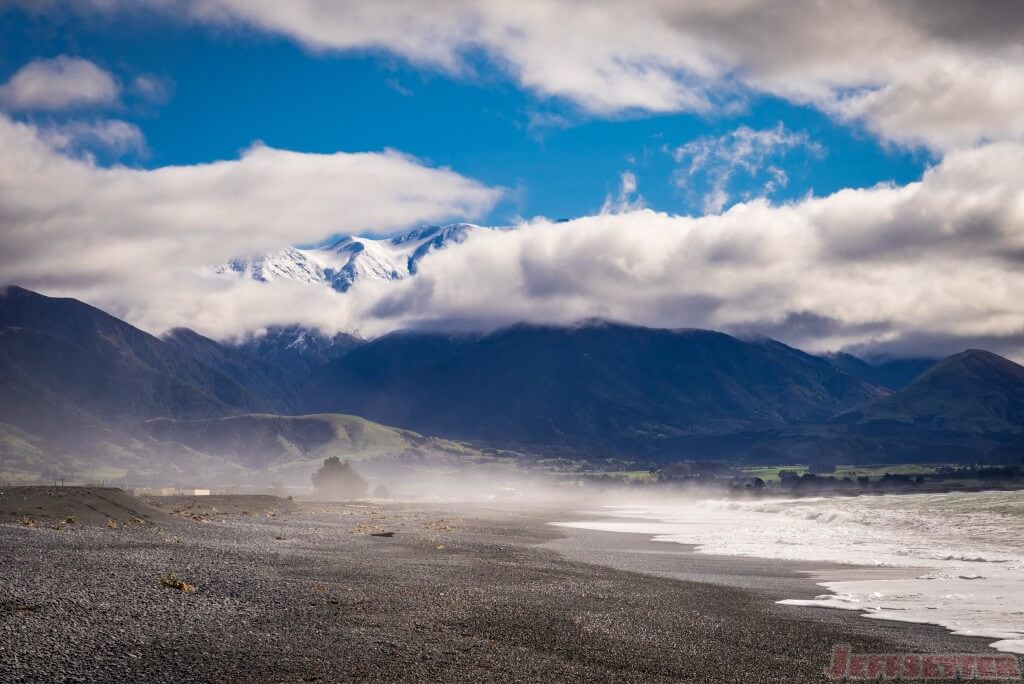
[
  {"x": 595, "y": 385},
  {"x": 84, "y": 392}
]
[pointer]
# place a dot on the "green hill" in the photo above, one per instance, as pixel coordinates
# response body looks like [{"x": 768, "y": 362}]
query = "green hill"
[
  {"x": 269, "y": 442},
  {"x": 971, "y": 392}
]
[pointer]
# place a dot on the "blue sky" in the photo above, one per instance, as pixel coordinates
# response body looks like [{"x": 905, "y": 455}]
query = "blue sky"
[{"x": 231, "y": 87}]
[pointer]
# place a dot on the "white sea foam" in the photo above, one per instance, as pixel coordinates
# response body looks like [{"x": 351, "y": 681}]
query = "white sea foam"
[{"x": 970, "y": 548}]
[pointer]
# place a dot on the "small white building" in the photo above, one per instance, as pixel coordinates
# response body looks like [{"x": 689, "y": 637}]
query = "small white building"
[{"x": 170, "y": 491}]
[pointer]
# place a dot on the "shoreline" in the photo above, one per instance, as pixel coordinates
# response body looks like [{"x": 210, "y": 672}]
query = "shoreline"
[
  {"x": 887, "y": 591},
  {"x": 460, "y": 593},
  {"x": 645, "y": 554},
  {"x": 775, "y": 492}
]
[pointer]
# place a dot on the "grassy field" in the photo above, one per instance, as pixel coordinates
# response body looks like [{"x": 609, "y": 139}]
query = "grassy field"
[
  {"x": 771, "y": 473},
  {"x": 631, "y": 475},
  {"x": 880, "y": 471}
]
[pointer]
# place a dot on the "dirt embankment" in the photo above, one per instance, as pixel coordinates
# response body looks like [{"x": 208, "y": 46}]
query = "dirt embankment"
[{"x": 74, "y": 505}]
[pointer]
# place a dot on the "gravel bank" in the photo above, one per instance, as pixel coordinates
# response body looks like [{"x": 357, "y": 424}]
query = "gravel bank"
[
  {"x": 458, "y": 594},
  {"x": 87, "y": 505}
]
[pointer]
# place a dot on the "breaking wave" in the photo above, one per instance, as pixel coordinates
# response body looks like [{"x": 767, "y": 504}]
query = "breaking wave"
[{"x": 966, "y": 551}]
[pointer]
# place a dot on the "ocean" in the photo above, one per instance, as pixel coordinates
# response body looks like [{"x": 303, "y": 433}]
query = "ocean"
[{"x": 964, "y": 552}]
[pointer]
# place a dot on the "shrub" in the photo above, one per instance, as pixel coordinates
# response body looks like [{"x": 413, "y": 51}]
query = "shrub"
[
  {"x": 171, "y": 581},
  {"x": 337, "y": 479},
  {"x": 788, "y": 477}
]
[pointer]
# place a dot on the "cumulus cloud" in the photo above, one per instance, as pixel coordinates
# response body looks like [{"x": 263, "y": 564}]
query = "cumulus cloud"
[
  {"x": 715, "y": 161},
  {"x": 59, "y": 83},
  {"x": 940, "y": 257},
  {"x": 941, "y": 74},
  {"x": 111, "y": 135},
  {"x": 138, "y": 241},
  {"x": 627, "y": 199}
]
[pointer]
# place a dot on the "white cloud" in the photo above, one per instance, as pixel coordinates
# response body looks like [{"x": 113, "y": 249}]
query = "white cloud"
[
  {"x": 717, "y": 159},
  {"x": 936, "y": 259},
  {"x": 59, "y": 83},
  {"x": 113, "y": 135},
  {"x": 939, "y": 73},
  {"x": 940, "y": 257},
  {"x": 137, "y": 241},
  {"x": 627, "y": 199}
]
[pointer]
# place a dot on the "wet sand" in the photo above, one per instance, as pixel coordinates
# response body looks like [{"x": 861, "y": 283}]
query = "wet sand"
[{"x": 459, "y": 594}]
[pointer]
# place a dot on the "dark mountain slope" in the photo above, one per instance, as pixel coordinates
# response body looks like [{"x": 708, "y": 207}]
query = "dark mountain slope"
[
  {"x": 64, "y": 357},
  {"x": 29, "y": 404},
  {"x": 83, "y": 387},
  {"x": 972, "y": 392},
  {"x": 892, "y": 374},
  {"x": 595, "y": 385},
  {"x": 83, "y": 393},
  {"x": 299, "y": 350},
  {"x": 268, "y": 381}
]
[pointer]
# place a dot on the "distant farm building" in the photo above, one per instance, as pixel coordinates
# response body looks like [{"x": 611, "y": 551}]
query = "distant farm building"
[{"x": 171, "y": 491}]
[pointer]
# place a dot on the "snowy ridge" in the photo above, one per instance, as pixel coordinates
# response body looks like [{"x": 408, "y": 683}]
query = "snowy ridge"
[{"x": 342, "y": 261}]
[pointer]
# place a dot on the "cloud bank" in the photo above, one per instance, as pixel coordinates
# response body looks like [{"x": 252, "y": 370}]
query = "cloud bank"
[
  {"x": 937, "y": 73},
  {"x": 939, "y": 259},
  {"x": 928, "y": 266},
  {"x": 139, "y": 242}
]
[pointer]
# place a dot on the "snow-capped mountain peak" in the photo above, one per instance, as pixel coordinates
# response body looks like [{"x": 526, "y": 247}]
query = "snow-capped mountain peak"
[
  {"x": 287, "y": 264},
  {"x": 343, "y": 260}
]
